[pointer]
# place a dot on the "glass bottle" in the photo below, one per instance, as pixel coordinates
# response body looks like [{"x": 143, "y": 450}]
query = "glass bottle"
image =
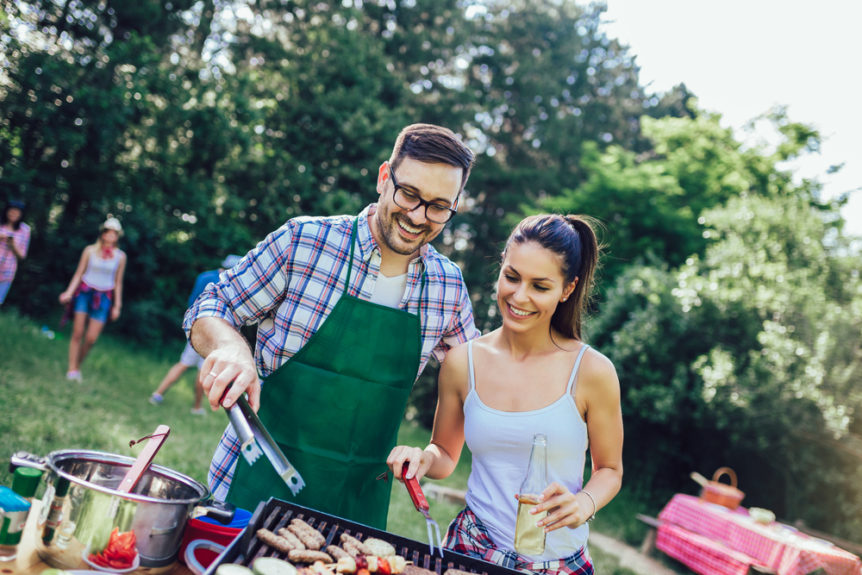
[
  {"x": 15, "y": 505},
  {"x": 530, "y": 538},
  {"x": 13, "y": 515}
]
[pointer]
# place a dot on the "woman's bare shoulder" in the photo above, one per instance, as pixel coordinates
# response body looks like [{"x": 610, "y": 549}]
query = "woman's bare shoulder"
[{"x": 597, "y": 372}]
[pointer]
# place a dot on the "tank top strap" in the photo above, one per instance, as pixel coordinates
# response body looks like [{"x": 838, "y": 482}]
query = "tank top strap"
[
  {"x": 471, "y": 378},
  {"x": 571, "y": 384}
]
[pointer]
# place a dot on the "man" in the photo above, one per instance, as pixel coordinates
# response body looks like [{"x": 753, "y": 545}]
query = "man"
[
  {"x": 349, "y": 310},
  {"x": 190, "y": 357}
]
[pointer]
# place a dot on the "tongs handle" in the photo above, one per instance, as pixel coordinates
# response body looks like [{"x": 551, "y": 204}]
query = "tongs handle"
[{"x": 414, "y": 489}]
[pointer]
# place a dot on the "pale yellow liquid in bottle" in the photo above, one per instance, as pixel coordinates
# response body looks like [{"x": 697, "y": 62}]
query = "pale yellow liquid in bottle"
[{"x": 529, "y": 539}]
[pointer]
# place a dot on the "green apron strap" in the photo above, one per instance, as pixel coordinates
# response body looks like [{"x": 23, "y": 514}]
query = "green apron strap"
[{"x": 350, "y": 259}]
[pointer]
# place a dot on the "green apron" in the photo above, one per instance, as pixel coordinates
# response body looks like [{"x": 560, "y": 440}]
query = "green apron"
[{"x": 334, "y": 409}]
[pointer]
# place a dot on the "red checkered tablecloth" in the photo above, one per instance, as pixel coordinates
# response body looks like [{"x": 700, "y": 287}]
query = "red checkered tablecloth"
[
  {"x": 735, "y": 536},
  {"x": 700, "y": 553}
]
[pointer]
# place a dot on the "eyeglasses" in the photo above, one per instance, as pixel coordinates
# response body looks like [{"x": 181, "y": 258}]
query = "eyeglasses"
[{"x": 407, "y": 200}]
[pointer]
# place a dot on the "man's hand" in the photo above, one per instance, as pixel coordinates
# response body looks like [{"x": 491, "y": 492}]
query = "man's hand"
[
  {"x": 230, "y": 366},
  {"x": 228, "y": 363}
]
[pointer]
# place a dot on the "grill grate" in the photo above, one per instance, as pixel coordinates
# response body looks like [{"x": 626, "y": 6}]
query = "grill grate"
[{"x": 274, "y": 514}]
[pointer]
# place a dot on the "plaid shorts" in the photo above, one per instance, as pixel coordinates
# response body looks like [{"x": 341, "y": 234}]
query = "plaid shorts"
[{"x": 467, "y": 535}]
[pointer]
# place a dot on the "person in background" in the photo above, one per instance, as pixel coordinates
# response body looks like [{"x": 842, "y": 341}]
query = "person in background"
[
  {"x": 349, "y": 310},
  {"x": 190, "y": 357},
  {"x": 14, "y": 242},
  {"x": 534, "y": 374},
  {"x": 95, "y": 293}
]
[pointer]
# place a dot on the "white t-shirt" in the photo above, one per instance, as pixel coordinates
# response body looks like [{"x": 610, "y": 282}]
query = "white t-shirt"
[{"x": 389, "y": 291}]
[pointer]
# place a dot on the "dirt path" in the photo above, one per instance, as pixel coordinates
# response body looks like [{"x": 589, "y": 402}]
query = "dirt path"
[{"x": 629, "y": 557}]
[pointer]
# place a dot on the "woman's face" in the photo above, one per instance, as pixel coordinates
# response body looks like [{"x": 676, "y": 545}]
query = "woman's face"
[
  {"x": 13, "y": 215},
  {"x": 530, "y": 286},
  {"x": 110, "y": 237}
]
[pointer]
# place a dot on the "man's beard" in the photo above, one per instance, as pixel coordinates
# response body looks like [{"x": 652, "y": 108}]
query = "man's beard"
[{"x": 389, "y": 232}]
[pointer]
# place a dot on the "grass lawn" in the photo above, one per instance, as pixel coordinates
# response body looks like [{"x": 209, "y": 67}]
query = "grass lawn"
[{"x": 43, "y": 412}]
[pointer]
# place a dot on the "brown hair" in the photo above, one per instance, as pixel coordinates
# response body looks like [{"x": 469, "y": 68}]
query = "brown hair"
[
  {"x": 573, "y": 239},
  {"x": 434, "y": 145}
]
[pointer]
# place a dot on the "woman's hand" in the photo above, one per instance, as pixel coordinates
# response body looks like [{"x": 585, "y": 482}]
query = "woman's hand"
[
  {"x": 115, "y": 312},
  {"x": 65, "y": 297},
  {"x": 420, "y": 461},
  {"x": 565, "y": 509}
]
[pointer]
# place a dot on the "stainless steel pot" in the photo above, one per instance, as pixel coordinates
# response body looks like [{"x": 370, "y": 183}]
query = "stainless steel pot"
[{"x": 82, "y": 505}]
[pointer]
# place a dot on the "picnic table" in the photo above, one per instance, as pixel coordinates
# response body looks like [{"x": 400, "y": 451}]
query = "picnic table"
[{"x": 714, "y": 540}]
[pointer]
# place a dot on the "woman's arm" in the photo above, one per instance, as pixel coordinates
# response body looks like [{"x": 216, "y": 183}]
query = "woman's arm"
[
  {"x": 66, "y": 296},
  {"x": 440, "y": 457},
  {"x": 118, "y": 288},
  {"x": 598, "y": 398}
]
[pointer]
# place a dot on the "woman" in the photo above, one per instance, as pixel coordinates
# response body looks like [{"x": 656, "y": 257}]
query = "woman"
[
  {"x": 95, "y": 293},
  {"x": 534, "y": 374},
  {"x": 14, "y": 241}
]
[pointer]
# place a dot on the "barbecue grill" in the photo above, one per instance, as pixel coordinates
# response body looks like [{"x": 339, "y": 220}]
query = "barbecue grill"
[{"x": 274, "y": 514}]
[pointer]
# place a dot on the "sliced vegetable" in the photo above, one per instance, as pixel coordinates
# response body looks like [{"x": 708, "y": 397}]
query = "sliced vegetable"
[
  {"x": 119, "y": 553},
  {"x": 272, "y": 566},
  {"x": 233, "y": 569}
]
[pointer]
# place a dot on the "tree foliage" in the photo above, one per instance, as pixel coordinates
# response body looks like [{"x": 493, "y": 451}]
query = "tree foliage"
[{"x": 740, "y": 354}]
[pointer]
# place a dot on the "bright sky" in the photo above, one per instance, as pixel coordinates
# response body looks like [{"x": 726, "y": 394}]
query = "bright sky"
[{"x": 742, "y": 57}]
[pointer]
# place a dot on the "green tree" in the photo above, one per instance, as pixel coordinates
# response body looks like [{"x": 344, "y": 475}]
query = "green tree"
[{"x": 741, "y": 358}]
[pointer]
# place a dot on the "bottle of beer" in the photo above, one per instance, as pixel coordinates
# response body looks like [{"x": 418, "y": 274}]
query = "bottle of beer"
[{"x": 529, "y": 538}]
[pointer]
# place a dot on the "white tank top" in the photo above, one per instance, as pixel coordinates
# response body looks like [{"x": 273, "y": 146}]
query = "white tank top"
[
  {"x": 500, "y": 443},
  {"x": 100, "y": 273}
]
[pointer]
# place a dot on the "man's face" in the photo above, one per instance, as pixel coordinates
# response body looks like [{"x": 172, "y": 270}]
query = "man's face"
[{"x": 403, "y": 231}]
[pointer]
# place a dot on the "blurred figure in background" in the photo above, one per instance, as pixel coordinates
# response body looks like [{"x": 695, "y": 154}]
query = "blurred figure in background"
[
  {"x": 95, "y": 293},
  {"x": 14, "y": 241},
  {"x": 189, "y": 356}
]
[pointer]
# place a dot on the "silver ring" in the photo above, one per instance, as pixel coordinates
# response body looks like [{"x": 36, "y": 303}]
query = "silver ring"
[{"x": 213, "y": 374}]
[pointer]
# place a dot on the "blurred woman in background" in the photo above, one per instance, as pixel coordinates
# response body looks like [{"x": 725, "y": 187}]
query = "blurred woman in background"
[
  {"x": 95, "y": 293},
  {"x": 14, "y": 241}
]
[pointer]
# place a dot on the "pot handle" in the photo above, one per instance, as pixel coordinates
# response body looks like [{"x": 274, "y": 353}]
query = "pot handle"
[
  {"x": 25, "y": 459},
  {"x": 221, "y": 511}
]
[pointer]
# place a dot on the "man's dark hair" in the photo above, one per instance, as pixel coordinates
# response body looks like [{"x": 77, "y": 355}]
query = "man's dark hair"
[{"x": 433, "y": 145}]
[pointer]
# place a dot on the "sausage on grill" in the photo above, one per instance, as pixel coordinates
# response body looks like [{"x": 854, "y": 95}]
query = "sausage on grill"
[
  {"x": 308, "y": 556},
  {"x": 273, "y": 540}
]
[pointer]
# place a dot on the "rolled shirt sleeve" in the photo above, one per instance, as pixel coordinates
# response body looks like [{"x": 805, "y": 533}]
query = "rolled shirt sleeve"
[{"x": 251, "y": 290}]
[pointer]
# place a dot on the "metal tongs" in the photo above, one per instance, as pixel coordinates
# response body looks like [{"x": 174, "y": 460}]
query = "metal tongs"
[
  {"x": 421, "y": 504},
  {"x": 255, "y": 441}
]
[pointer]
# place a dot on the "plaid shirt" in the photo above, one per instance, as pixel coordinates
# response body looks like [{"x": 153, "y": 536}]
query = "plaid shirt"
[
  {"x": 290, "y": 283},
  {"x": 469, "y": 536},
  {"x": 8, "y": 261}
]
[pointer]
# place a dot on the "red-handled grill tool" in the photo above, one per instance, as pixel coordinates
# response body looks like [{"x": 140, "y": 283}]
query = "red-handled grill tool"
[{"x": 421, "y": 504}]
